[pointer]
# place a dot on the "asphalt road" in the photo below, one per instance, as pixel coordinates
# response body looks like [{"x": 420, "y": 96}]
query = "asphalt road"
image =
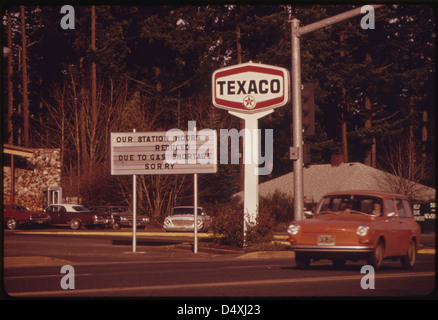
[{"x": 104, "y": 266}]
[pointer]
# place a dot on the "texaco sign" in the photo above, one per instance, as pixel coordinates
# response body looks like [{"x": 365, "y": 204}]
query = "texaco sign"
[{"x": 250, "y": 87}]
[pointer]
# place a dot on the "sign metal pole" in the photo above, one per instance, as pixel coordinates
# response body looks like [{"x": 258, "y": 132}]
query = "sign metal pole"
[
  {"x": 134, "y": 211},
  {"x": 195, "y": 207},
  {"x": 195, "y": 222}
]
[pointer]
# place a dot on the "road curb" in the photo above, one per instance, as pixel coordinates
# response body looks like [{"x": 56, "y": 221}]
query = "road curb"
[
  {"x": 286, "y": 254},
  {"x": 427, "y": 251},
  {"x": 118, "y": 233},
  {"x": 33, "y": 261},
  {"x": 206, "y": 249}
]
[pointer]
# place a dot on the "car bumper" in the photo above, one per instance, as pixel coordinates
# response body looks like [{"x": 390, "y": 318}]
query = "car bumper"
[
  {"x": 130, "y": 224},
  {"x": 182, "y": 228},
  {"x": 104, "y": 221},
  {"x": 327, "y": 252},
  {"x": 316, "y": 248}
]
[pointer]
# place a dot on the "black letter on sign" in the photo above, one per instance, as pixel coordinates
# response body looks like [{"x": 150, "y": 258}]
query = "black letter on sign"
[
  {"x": 275, "y": 86},
  {"x": 261, "y": 90},
  {"x": 252, "y": 87}
]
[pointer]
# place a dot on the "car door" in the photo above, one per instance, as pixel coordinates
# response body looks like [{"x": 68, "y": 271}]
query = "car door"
[
  {"x": 392, "y": 227},
  {"x": 52, "y": 210},
  {"x": 63, "y": 215},
  {"x": 20, "y": 214},
  {"x": 404, "y": 225}
]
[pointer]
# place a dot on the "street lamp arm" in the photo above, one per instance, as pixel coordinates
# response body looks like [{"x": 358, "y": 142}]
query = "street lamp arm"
[{"x": 332, "y": 20}]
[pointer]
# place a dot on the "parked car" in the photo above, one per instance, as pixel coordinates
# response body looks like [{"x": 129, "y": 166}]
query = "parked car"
[
  {"x": 75, "y": 216},
  {"x": 182, "y": 219},
  {"x": 354, "y": 225},
  {"x": 122, "y": 216},
  {"x": 16, "y": 215}
]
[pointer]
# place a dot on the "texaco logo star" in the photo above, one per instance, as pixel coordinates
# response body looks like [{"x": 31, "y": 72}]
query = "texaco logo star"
[{"x": 249, "y": 102}]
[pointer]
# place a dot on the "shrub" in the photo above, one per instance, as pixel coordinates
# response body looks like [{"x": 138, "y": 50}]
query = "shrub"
[
  {"x": 281, "y": 205},
  {"x": 227, "y": 226},
  {"x": 263, "y": 230}
]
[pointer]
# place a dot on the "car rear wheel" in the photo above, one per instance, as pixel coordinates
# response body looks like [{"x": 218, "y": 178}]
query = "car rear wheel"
[
  {"x": 339, "y": 262},
  {"x": 74, "y": 224},
  {"x": 376, "y": 257},
  {"x": 408, "y": 261},
  {"x": 302, "y": 261},
  {"x": 11, "y": 224}
]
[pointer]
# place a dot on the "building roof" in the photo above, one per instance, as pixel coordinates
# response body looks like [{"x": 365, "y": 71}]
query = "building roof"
[
  {"x": 18, "y": 151},
  {"x": 323, "y": 178}
]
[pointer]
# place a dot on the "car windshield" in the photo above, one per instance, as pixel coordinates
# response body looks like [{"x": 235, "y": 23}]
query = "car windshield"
[
  {"x": 350, "y": 203},
  {"x": 183, "y": 211}
]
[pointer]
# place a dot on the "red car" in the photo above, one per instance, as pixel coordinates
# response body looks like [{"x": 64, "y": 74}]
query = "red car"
[
  {"x": 355, "y": 225},
  {"x": 15, "y": 215}
]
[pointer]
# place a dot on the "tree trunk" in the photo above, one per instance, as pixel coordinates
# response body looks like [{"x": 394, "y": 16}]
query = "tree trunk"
[
  {"x": 367, "y": 159},
  {"x": 10, "y": 84},
  {"x": 370, "y": 156},
  {"x": 24, "y": 79},
  {"x": 241, "y": 121},
  {"x": 93, "y": 92},
  {"x": 345, "y": 109}
]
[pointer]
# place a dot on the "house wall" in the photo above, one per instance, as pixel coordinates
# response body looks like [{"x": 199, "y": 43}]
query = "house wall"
[{"x": 31, "y": 185}]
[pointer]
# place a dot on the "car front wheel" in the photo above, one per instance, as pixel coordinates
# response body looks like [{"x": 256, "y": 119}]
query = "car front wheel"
[
  {"x": 302, "y": 261},
  {"x": 376, "y": 257}
]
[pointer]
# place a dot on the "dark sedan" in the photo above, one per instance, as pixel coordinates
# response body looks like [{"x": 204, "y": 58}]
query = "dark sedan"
[{"x": 75, "y": 216}]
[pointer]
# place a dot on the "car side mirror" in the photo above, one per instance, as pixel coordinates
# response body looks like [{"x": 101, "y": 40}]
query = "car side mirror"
[{"x": 308, "y": 214}]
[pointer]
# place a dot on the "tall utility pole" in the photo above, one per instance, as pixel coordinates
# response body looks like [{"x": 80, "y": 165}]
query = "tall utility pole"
[
  {"x": 297, "y": 125},
  {"x": 297, "y": 139}
]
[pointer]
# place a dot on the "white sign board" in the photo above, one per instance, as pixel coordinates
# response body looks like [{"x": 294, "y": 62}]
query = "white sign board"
[
  {"x": 250, "y": 87},
  {"x": 168, "y": 152}
]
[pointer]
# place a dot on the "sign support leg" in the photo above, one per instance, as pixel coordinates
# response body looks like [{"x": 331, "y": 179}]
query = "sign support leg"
[
  {"x": 195, "y": 222},
  {"x": 134, "y": 213},
  {"x": 251, "y": 163}
]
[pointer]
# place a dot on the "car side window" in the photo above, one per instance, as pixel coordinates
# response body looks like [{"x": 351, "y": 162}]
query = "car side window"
[
  {"x": 389, "y": 204},
  {"x": 408, "y": 209},
  {"x": 56, "y": 208},
  {"x": 400, "y": 208}
]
